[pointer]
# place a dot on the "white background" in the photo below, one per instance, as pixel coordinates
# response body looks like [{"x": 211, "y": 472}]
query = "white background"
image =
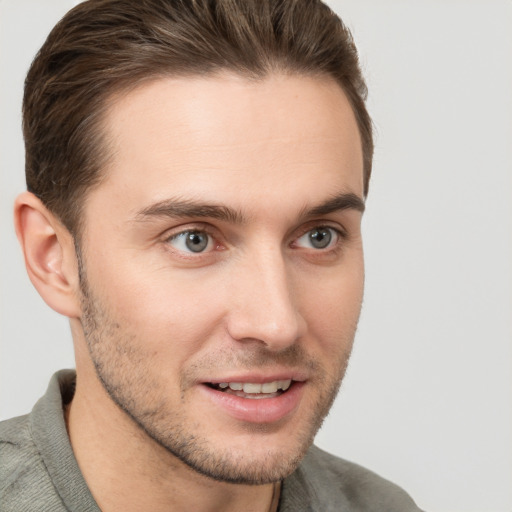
[{"x": 427, "y": 401}]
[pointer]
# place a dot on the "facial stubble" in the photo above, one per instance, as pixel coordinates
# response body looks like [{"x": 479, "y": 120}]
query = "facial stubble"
[{"x": 123, "y": 367}]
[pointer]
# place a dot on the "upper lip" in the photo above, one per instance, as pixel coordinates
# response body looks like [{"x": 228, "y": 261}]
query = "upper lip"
[{"x": 259, "y": 378}]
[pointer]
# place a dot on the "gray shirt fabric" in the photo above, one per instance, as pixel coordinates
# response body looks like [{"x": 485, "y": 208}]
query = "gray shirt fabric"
[{"x": 39, "y": 472}]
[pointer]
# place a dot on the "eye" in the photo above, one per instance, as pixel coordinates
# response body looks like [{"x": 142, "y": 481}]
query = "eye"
[
  {"x": 319, "y": 238},
  {"x": 191, "y": 241}
]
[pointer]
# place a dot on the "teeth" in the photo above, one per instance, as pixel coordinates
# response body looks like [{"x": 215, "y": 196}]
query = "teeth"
[
  {"x": 256, "y": 388},
  {"x": 252, "y": 388},
  {"x": 269, "y": 387}
]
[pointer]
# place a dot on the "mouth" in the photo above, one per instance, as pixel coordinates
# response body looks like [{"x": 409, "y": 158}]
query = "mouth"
[
  {"x": 253, "y": 390},
  {"x": 256, "y": 399}
]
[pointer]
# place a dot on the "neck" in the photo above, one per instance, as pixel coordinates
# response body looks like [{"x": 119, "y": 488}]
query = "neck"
[{"x": 127, "y": 470}]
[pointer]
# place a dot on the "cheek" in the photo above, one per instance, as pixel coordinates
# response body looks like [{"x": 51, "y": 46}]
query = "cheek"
[
  {"x": 333, "y": 304},
  {"x": 165, "y": 314}
]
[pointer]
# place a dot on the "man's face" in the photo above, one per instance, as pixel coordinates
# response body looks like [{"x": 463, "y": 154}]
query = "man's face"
[{"x": 223, "y": 266}]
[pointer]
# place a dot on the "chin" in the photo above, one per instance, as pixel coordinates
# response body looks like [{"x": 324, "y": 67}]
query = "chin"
[
  {"x": 251, "y": 455},
  {"x": 246, "y": 466}
]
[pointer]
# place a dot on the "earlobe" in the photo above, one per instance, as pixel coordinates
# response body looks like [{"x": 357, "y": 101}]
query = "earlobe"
[{"x": 49, "y": 254}]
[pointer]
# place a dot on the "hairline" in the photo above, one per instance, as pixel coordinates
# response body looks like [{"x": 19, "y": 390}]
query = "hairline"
[{"x": 124, "y": 87}]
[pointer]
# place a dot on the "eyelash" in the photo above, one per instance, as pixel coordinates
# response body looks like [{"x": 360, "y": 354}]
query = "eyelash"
[
  {"x": 193, "y": 230},
  {"x": 339, "y": 234},
  {"x": 334, "y": 249}
]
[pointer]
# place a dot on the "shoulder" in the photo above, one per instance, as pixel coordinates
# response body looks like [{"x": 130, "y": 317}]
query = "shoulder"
[
  {"x": 24, "y": 480},
  {"x": 330, "y": 483}
]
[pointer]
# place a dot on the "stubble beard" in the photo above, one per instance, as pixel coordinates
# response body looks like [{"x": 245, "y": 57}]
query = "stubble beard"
[{"x": 124, "y": 369}]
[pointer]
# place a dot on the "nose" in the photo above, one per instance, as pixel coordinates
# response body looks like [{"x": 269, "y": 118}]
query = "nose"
[{"x": 264, "y": 307}]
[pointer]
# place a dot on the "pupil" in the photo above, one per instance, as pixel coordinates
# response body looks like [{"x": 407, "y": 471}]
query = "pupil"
[
  {"x": 320, "y": 238},
  {"x": 197, "y": 242}
]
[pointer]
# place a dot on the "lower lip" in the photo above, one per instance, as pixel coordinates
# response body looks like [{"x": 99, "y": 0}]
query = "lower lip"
[{"x": 257, "y": 410}]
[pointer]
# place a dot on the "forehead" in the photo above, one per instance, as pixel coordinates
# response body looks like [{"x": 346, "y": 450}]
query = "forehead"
[{"x": 206, "y": 137}]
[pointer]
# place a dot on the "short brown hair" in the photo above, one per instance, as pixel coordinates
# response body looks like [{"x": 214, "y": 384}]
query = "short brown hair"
[{"x": 102, "y": 47}]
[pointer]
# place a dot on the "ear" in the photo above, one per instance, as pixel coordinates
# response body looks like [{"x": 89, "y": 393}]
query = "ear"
[{"x": 49, "y": 254}]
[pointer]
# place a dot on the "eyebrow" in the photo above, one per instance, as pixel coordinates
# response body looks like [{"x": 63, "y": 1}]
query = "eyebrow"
[
  {"x": 344, "y": 201},
  {"x": 189, "y": 209},
  {"x": 176, "y": 208}
]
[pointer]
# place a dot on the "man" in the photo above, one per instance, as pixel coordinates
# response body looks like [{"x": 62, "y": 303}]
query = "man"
[{"x": 196, "y": 173}]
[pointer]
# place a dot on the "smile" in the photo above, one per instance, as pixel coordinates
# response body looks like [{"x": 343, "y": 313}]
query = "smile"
[
  {"x": 255, "y": 402},
  {"x": 254, "y": 390}
]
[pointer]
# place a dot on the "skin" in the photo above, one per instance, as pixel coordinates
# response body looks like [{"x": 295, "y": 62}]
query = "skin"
[{"x": 152, "y": 321}]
